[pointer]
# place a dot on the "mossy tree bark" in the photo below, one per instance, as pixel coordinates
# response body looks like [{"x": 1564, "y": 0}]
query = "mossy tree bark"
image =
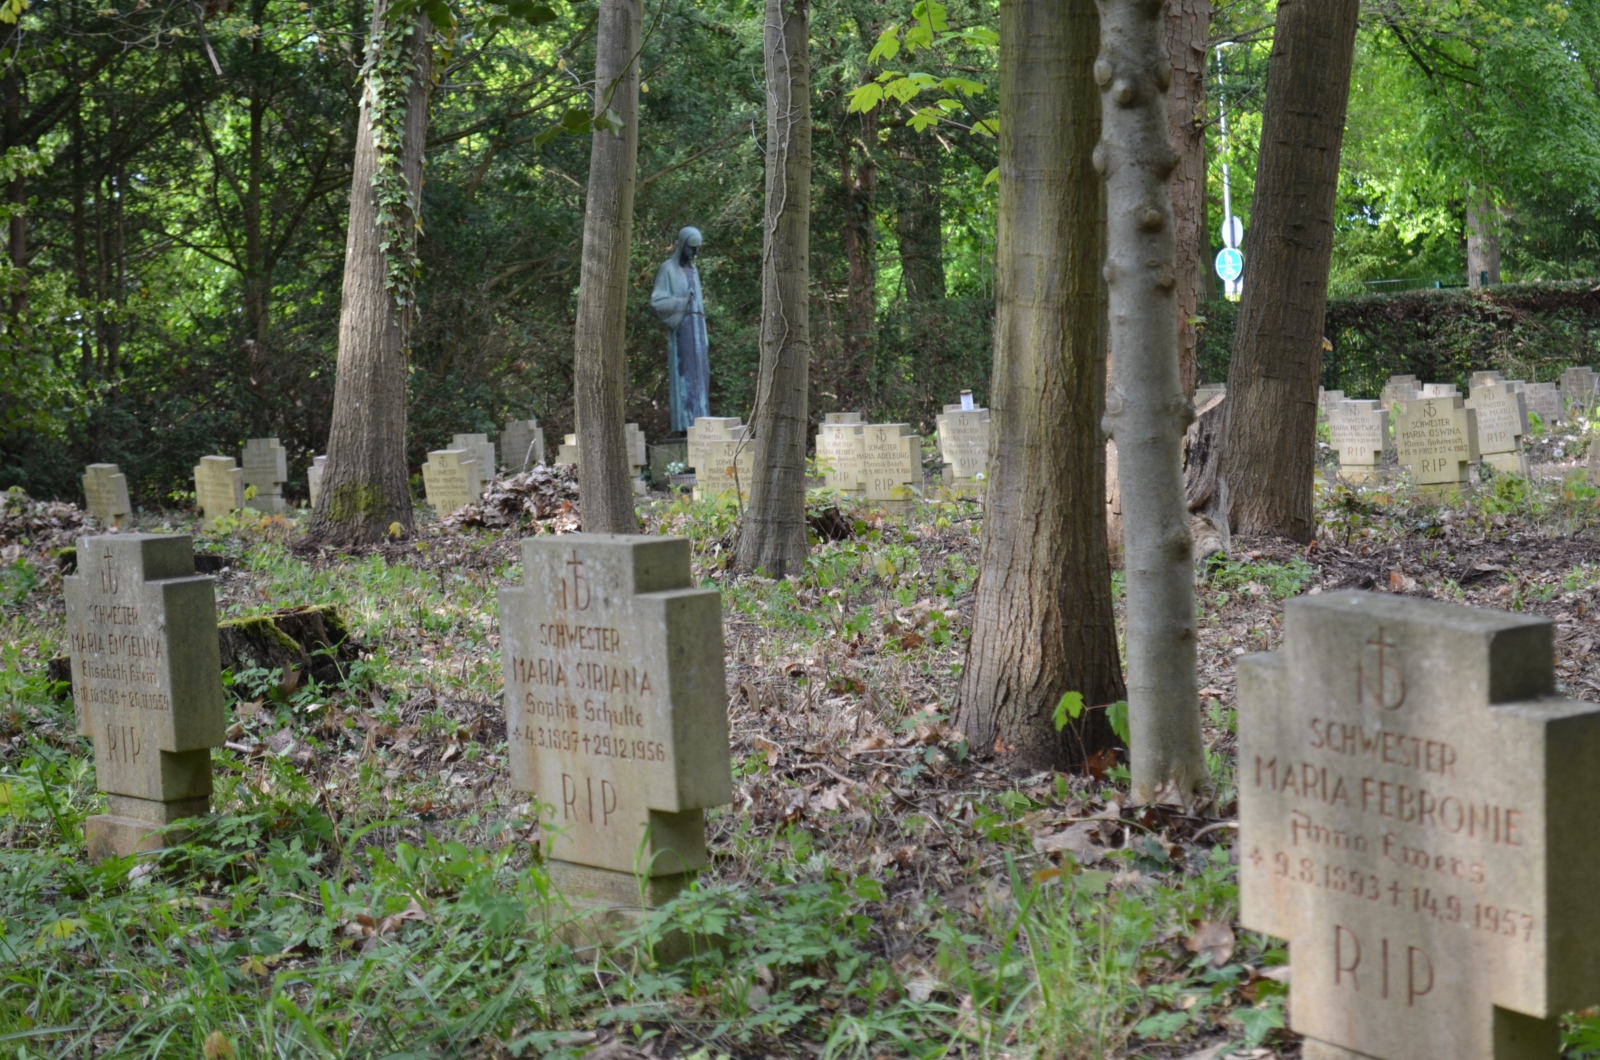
[
  {"x": 1146, "y": 409},
  {"x": 773, "y": 535},
  {"x": 366, "y": 487},
  {"x": 1288, "y": 251},
  {"x": 1042, "y": 619},
  {"x": 599, "y": 351}
]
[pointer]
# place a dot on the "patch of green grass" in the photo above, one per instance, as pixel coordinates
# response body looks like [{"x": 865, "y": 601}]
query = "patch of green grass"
[{"x": 1279, "y": 580}]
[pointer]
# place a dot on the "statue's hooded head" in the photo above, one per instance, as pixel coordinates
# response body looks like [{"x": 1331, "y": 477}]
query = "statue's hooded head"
[{"x": 688, "y": 245}]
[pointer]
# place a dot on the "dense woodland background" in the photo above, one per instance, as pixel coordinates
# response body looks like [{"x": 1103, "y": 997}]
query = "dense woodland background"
[{"x": 178, "y": 176}]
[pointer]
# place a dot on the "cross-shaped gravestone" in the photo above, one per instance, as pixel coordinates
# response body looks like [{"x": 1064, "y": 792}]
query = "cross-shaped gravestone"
[
  {"x": 314, "y": 477},
  {"x": 1440, "y": 390},
  {"x": 266, "y": 468},
  {"x": 638, "y": 454},
  {"x": 1545, "y": 399},
  {"x": 1484, "y": 378},
  {"x": 1326, "y": 399},
  {"x": 615, "y": 708},
  {"x": 218, "y": 487},
  {"x": 482, "y": 450},
  {"x": 722, "y": 454},
  {"x": 964, "y": 444},
  {"x": 841, "y": 448},
  {"x": 1418, "y": 818},
  {"x": 891, "y": 465},
  {"x": 1502, "y": 419},
  {"x": 147, "y": 682},
  {"x": 522, "y": 444},
  {"x": 450, "y": 479},
  {"x": 1359, "y": 431},
  {"x": 1579, "y": 385},
  {"x": 1400, "y": 389},
  {"x": 1438, "y": 439},
  {"x": 105, "y": 492},
  {"x": 568, "y": 451}
]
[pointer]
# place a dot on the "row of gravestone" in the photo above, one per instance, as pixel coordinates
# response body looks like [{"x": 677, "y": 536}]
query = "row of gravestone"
[{"x": 1417, "y": 813}]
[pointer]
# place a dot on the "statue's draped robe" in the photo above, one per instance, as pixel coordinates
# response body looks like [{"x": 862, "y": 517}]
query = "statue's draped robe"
[{"x": 678, "y": 303}]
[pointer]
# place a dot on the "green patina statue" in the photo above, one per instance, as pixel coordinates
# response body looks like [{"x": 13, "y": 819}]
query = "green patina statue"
[{"x": 678, "y": 302}]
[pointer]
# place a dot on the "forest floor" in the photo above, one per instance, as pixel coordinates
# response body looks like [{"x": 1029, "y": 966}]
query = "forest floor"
[{"x": 370, "y": 885}]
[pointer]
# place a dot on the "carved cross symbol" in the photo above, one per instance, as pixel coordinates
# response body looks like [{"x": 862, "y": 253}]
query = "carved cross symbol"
[
  {"x": 1388, "y": 693},
  {"x": 108, "y": 574},
  {"x": 580, "y": 593}
]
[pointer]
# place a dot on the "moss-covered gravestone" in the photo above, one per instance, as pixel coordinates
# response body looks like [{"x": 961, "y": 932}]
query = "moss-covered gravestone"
[
  {"x": 616, "y": 710},
  {"x": 105, "y": 493},
  {"x": 1418, "y": 817},
  {"x": 147, "y": 681}
]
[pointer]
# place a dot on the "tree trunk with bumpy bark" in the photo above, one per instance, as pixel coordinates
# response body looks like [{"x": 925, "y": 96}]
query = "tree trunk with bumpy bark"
[
  {"x": 1277, "y": 345},
  {"x": 600, "y": 359},
  {"x": 366, "y": 487},
  {"x": 1188, "y": 28},
  {"x": 773, "y": 536},
  {"x": 1146, "y": 410},
  {"x": 1042, "y": 620}
]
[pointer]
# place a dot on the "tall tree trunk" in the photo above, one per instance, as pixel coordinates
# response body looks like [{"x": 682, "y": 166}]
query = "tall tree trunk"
[
  {"x": 1147, "y": 409},
  {"x": 919, "y": 222},
  {"x": 1277, "y": 347},
  {"x": 257, "y": 280},
  {"x": 1483, "y": 239},
  {"x": 1188, "y": 28},
  {"x": 365, "y": 485},
  {"x": 1042, "y": 621},
  {"x": 861, "y": 303},
  {"x": 600, "y": 357},
  {"x": 773, "y": 536}
]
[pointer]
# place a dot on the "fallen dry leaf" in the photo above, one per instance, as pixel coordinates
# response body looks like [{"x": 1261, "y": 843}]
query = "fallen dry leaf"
[{"x": 1213, "y": 940}]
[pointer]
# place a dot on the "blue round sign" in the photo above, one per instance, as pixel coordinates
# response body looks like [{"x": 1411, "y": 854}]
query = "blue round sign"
[{"x": 1230, "y": 264}]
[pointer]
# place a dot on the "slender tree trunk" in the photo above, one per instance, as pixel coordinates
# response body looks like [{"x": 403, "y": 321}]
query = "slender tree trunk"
[
  {"x": 1042, "y": 621},
  {"x": 1483, "y": 239},
  {"x": 365, "y": 485},
  {"x": 1277, "y": 347},
  {"x": 919, "y": 222},
  {"x": 600, "y": 358},
  {"x": 773, "y": 536},
  {"x": 1188, "y": 28},
  {"x": 1147, "y": 410},
  {"x": 861, "y": 302}
]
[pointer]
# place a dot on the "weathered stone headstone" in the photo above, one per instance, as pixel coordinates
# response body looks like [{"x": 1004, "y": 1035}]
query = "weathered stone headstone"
[
  {"x": 105, "y": 492},
  {"x": 1400, "y": 389},
  {"x": 964, "y": 445},
  {"x": 1545, "y": 399},
  {"x": 1438, "y": 439},
  {"x": 1326, "y": 399},
  {"x": 314, "y": 477},
  {"x": 616, "y": 710},
  {"x": 266, "y": 467},
  {"x": 568, "y": 452},
  {"x": 451, "y": 480},
  {"x": 1417, "y": 817},
  {"x": 521, "y": 445},
  {"x": 723, "y": 457},
  {"x": 218, "y": 487},
  {"x": 147, "y": 684},
  {"x": 841, "y": 447},
  {"x": 634, "y": 443},
  {"x": 1502, "y": 420},
  {"x": 1579, "y": 387},
  {"x": 483, "y": 453},
  {"x": 891, "y": 467},
  {"x": 1485, "y": 378},
  {"x": 1205, "y": 390},
  {"x": 1440, "y": 390},
  {"x": 1359, "y": 431}
]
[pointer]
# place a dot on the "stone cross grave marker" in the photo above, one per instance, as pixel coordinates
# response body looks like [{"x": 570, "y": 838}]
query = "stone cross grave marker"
[
  {"x": 1502, "y": 415},
  {"x": 1545, "y": 399},
  {"x": 266, "y": 467},
  {"x": 1359, "y": 431},
  {"x": 841, "y": 449},
  {"x": 1326, "y": 399},
  {"x": 638, "y": 454},
  {"x": 1484, "y": 378},
  {"x": 1438, "y": 439},
  {"x": 1400, "y": 389},
  {"x": 723, "y": 456},
  {"x": 1579, "y": 386},
  {"x": 891, "y": 467},
  {"x": 616, "y": 710},
  {"x": 314, "y": 477},
  {"x": 147, "y": 684},
  {"x": 451, "y": 480},
  {"x": 1440, "y": 390},
  {"x": 218, "y": 487},
  {"x": 1418, "y": 818},
  {"x": 105, "y": 492},
  {"x": 568, "y": 452},
  {"x": 521, "y": 445},
  {"x": 483, "y": 452},
  {"x": 964, "y": 445}
]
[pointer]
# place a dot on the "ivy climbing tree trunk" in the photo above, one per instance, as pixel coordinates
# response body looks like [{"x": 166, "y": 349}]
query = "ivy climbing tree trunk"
[
  {"x": 773, "y": 535},
  {"x": 366, "y": 489},
  {"x": 1042, "y": 622},
  {"x": 599, "y": 351},
  {"x": 1288, "y": 251},
  {"x": 1146, "y": 409}
]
